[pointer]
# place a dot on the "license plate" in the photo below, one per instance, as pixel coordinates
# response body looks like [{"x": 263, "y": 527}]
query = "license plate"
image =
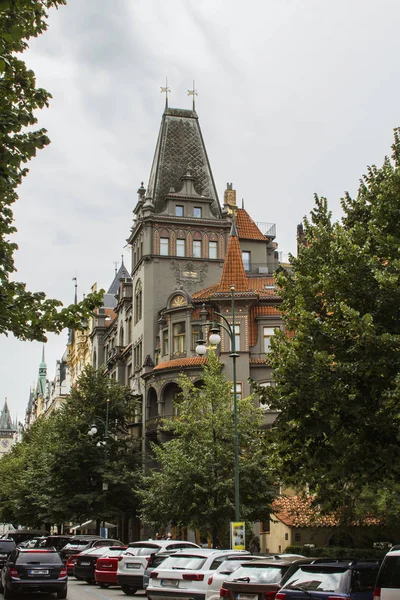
[
  {"x": 246, "y": 596},
  {"x": 34, "y": 572},
  {"x": 85, "y": 564},
  {"x": 133, "y": 565},
  {"x": 170, "y": 582}
]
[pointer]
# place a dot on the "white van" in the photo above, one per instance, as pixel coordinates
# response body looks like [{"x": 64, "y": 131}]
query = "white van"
[{"x": 387, "y": 585}]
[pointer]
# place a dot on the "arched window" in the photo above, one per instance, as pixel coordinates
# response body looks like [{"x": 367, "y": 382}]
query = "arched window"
[
  {"x": 138, "y": 301},
  {"x": 164, "y": 242},
  {"x": 196, "y": 247}
]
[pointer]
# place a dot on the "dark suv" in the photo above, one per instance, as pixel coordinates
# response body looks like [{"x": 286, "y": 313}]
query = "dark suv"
[
  {"x": 6, "y": 547},
  {"x": 83, "y": 542},
  {"x": 339, "y": 579},
  {"x": 35, "y": 570}
]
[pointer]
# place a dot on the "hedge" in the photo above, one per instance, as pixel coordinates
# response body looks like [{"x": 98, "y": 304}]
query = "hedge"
[{"x": 335, "y": 552}]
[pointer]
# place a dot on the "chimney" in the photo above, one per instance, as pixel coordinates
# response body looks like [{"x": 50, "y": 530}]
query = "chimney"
[{"x": 229, "y": 197}]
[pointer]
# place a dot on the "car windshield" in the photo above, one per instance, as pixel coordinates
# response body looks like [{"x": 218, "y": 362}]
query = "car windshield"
[
  {"x": 77, "y": 543},
  {"x": 230, "y": 565},
  {"x": 321, "y": 580},
  {"x": 389, "y": 575},
  {"x": 6, "y": 546},
  {"x": 258, "y": 573},
  {"x": 38, "y": 558},
  {"x": 143, "y": 550},
  {"x": 184, "y": 562}
]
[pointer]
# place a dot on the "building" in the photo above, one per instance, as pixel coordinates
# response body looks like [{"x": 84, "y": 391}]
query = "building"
[{"x": 8, "y": 430}]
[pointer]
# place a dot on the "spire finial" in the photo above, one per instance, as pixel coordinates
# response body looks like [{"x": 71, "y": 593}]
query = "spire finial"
[
  {"x": 193, "y": 92},
  {"x": 166, "y": 90},
  {"x": 242, "y": 203},
  {"x": 234, "y": 231},
  {"x": 122, "y": 260},
  {"x": 43, "y": 354},
  {"x": 115, "y": 266},
  {"x": 76, "y": 290}
]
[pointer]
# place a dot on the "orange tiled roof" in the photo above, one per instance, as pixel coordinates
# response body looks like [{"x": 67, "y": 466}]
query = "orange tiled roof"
[
  {"x": 192, "y": 361},
  {"x": 247, "y": 229},
  {"x": 297, "y": 511},
  {"x": 258, "y": 360},
  {"x": 233, "y": 272}
]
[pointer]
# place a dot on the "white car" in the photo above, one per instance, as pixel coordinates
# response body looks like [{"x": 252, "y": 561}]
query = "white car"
[
  {"x": 387, "y": 585},
  {"x": 134, "y": 561},
  {"x": 186, "y": 574},
  {"x": 217, "y": 578}
]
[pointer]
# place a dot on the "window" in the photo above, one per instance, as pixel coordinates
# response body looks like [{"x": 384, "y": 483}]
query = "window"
[
  {"x": 138, "y": 301},
  {"x": 238, "y": 391},
  {"x": 212, "y": 250},
  {"x": 196, "y": 335},
  {"x": 180, "y": 247},
  {"x": 268, "y": 332},
  {"x": 236, "y": 332},
  {"x": 197, "y": 212},
  {"x": 297, "y": 537},
  {"x": 137, "y": 356},
  {"x": 197, "y": 248},
  {"x": 246, "y": 259},
  {"x": 179, "y": 211},
  {"x": 164, "y": 246},
  {"x": 179, "y": 337},
  {"x": 165, "y": 342}
]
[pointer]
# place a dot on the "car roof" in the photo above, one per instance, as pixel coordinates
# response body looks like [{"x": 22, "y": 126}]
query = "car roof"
[
  {"x": 341, "y": 564},
  {"x": 160, "y": 543},
  {"x": 211, "y": 551},
  {"x": 271, "y": 560}
]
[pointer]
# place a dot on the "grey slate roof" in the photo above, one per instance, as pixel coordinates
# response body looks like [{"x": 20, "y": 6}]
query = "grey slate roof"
[
  {"x": 180, "y": 149},
  {"x": 109, "y": 300},
  {"x": 6, "y": 423}
]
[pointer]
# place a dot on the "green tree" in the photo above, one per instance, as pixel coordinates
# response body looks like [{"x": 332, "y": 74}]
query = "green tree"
[
  {"x": 337, "y": 366},
  {"x": 26, "y": 314},
  {"x": 192, "y": 483},
  {"x": 61, "y": 469}
]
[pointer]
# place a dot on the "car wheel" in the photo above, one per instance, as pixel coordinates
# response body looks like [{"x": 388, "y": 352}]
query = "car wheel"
[
  {"x": 89, "y": 580},
  {"x": 128, "y": 590},
  {"x": 62, "y": 594},
  {"x": 104, "y": 585}
]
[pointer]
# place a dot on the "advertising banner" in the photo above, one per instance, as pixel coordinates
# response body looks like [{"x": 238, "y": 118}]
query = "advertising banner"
[{"x": 238, "y": 535}]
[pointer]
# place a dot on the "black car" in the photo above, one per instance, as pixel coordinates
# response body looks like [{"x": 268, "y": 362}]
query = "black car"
[
  {"x": 83, "y": 542},
  {"x": 57, "y": 541},
  {"x": 6, "y": 547},
  {"x": 85, "y": 565},
  {"x": 34, "y": 570}
]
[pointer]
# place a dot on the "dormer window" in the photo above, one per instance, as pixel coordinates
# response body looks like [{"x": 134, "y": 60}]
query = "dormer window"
[
  {"x": 178, "y": 211},
  {"x": 197, "y": 212}
]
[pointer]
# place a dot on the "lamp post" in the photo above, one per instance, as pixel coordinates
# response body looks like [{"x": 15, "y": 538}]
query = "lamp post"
[
  {"x": 201, "y": 349},
  {"x": 92, "y": 432}
]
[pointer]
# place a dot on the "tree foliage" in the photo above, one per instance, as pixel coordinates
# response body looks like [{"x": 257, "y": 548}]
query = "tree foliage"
[
  {"x": 337, "y": 367},
  {"x": 61, "y": 469},
  {"x": 28, "y": 315},
  {"x": 192, "y": 483}
]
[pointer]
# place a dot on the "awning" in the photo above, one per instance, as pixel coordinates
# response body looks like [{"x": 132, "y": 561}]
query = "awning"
[{"x": 92, "y": 525}]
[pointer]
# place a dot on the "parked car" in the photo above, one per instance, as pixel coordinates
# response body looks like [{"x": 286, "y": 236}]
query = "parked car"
[
  {"x": 85, "y": 565},
  {"x": 57, "y": 541},
  {"x": 387, "y": 585},
  {"x": 6, "y": 547},
  {"x": 20, "y": 535},
  {"x": 186, "y": 574},
  {"x": 83, "y": 542},
  {"x": 155, "y": 561},
  {"x": 105, "y": 573},
  {"x": 34, "y": 570},
  {"x": 226, "y": 568},
  {"x": 133, "y": 563},
  {"x": 327, "y": 580},
  {"x": 260, "y": 579}
]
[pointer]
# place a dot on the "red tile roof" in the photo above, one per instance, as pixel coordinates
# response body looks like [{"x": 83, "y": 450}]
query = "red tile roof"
[
  {"x": 192, "y": 361},
  {"x": 233, "y": 272},
  {"x": 247, "y": 229},
  {"x": 259, "y": 360},
  {"x": 298, "y": 511}
]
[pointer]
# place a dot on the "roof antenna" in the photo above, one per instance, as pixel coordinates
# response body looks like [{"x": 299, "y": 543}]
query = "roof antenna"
[
  {"x": 166, "y": 90},
  {"x": 193, "y": 92},
  {"x": 76, "y": 290}
]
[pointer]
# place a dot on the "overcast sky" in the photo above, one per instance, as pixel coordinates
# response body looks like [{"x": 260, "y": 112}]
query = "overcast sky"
[{"x": 295, "y": 98}]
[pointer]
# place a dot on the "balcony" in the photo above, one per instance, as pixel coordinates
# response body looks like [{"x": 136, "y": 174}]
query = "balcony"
[{"x": 267, "y": 229}]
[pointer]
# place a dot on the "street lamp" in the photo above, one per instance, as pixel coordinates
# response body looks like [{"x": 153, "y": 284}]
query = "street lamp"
[
  {"x": 102, "y": 443},
  {"x": 201, "y": 349}
]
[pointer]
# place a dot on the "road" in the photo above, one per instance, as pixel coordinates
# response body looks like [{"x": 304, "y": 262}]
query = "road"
[{"x": 79, "y": 590}]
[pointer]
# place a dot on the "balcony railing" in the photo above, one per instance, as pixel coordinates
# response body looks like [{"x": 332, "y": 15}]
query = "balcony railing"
[{"x": 268, "y": 229}]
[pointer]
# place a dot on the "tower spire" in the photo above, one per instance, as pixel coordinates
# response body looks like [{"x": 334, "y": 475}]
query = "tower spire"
[
  {"x": 76, "y": 290},
  {"x": 166, "y": 90},
  {"x": 193, "y": 93}
]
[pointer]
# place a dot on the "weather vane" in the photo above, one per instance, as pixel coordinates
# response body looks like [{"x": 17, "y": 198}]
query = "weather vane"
[
  {"x": 166, "y": 90},
  {"x": 193, "y": 93}
]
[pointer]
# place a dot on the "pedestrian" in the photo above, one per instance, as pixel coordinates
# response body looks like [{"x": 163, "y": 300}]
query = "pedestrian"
[{"x": 254, "y": 545}]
